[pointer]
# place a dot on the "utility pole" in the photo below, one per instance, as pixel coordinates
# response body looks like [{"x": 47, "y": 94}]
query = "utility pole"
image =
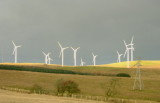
[{"x": 138, "y": 85}]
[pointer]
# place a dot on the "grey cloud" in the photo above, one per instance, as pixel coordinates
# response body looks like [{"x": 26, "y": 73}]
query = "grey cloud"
[{"x": 95, "y": 26}]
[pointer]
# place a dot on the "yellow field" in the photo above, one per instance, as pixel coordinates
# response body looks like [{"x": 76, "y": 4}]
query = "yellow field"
[
  {"x": 145, "y": 64},
  {"x": 29, "y": 64}
]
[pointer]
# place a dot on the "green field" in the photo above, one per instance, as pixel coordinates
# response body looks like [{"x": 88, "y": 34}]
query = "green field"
[{"x": 90, "y": 79}]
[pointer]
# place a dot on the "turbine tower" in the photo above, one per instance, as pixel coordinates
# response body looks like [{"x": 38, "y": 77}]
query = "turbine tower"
[
  {"x": 75, "y": 57},
  {"x": 46, "y": 57},
  {"x": 94, "y": 59},
  {"x": 15, "y": 50},
  {"x": 62, "y": 53},
  {"x": 127, "y": 52},
  {"x": 119, "y": 57},
  {"x": 82, "y": 63}
]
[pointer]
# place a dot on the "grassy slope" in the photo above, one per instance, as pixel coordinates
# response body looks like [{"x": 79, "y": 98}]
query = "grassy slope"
[{"x": 89, "y": 85}]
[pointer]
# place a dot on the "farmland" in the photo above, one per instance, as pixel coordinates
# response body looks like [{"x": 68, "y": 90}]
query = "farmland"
[
  {"x": 88, "y": 78},
  {"x": 145, "y": 64}
]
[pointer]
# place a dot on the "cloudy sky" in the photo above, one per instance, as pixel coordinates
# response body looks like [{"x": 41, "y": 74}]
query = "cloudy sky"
[{"x": 97, "y": 26}]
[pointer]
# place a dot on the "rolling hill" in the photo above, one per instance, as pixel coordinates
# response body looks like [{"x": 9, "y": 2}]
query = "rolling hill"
[
  {"x": 145, "y": 64},
  {"x": 25, "y": 79}
]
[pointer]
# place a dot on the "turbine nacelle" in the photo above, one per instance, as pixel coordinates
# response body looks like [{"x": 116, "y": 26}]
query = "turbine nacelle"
[
  {"x": 75, "y": 49},
  {"x": 62, "y": 49},
  {"x": 15, "y": 47},
  {"x": 94, "y": 55},
  {"x": 127, "y": 50}
]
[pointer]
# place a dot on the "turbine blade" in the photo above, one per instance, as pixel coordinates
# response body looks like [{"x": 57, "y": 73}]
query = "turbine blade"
[
  {"x": 48, "y": 54},
  {"x": 44, "y": 53},
  {"x": 125, "y": 43},
  {"x": 125, "y": 52},
  {"x": 60, "y": 45},
  {"x": 50, "y": 59},
  {"x": 65, "y": 48},
  {"x": 78, "y": 48},
  {"x": 93, "y": 54},
  {"x": 19, "y": 46},
  {"x": 132, "y": 40},
  {"x": 117, "y": 52},
  {"x": 72, "y": 48},
  {"x": 14, "y": 51},
  {"x": 13, "y": 43}
]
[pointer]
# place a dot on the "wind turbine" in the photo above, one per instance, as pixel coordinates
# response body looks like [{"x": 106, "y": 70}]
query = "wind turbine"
[
  {"x": 15, "y": 50},
  {"x": 119, "y": 57},
  {"x": 132, "y": 48},
  {"x": 127, "y": 52},
  {"x": 62, "y": 53},
  {"x": 82, "y": 63},
  {"x": 46, "y": 57},
  {"x": 94, "y": 59},
  {"x": 75, "y": 52},
  {"x": 49, "y": 60}
]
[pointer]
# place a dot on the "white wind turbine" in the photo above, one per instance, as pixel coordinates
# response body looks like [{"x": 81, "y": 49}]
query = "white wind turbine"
[
  {"x": 75, "y": 57},
  {"x": 127, "y": 52},
  {"x": 62, "y": 53},
  {"x": 119, "y": 57},
  {"x": 49, "y": 60},
  {"x": 82, "y": 62},
  {"x": 94, "y": 59},
  {"x": 15, "y": 50},
  {"x": 132, "y": 48},
  {"x": 46, "y": 57}
]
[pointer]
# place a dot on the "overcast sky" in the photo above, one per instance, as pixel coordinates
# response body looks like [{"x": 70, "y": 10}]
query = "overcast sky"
[{"x": 97, "y": 26}]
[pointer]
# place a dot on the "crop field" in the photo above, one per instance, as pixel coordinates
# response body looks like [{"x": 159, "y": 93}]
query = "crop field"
[
  {"x": 145, "y": 64},
  {"x": 90, "y": 80}
]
